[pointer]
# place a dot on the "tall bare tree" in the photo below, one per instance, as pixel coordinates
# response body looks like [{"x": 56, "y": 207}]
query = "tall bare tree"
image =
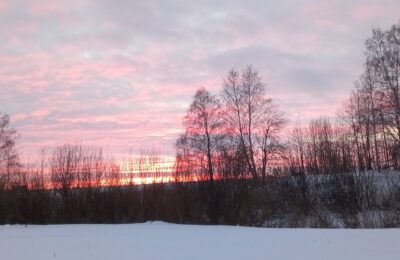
[
  {"x": 383, "y": 63},
  {"x": 251, "y": 117},
  {"x": 8, "y": 154},
  {"x": 204, "y": 132},
  {"x": 202, "y": 138}
]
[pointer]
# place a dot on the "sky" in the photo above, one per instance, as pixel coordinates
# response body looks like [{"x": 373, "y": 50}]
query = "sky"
[{"x": 121, "y": 74}]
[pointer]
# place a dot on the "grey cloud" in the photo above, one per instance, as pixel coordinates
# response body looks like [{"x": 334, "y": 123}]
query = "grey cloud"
[{"x": 152, "y": 55}]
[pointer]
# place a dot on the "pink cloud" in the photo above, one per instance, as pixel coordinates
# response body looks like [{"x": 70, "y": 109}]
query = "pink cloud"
[
  {"x": 39, "y": 113},
  {"x": 321, "y": 13},
  {"x": 117, "y": 77},
  {"x": 366, "y": 11},
  {"x": 43, "y": 8},
  {"x": 3, "y": 5}
]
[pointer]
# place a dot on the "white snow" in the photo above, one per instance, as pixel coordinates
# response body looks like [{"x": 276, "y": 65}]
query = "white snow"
[{"x": 157, "y": 240}]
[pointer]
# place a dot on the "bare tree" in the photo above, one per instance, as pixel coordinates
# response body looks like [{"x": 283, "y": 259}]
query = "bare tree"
[
  {"x": 64, "y": 164},
  {"x": 204, "y": 132},
  {"x": 203, "y": 136},
  {"x": 383, "y": 64},
  {"x": 267, "y": 133},
  {"x": 297, "y": 146},
  {"x": 251, "y": 117},
  {"x": 9, "y": 160}
]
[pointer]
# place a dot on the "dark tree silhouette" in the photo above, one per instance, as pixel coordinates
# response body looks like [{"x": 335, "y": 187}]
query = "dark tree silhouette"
[{"x": 202, "y": 139}]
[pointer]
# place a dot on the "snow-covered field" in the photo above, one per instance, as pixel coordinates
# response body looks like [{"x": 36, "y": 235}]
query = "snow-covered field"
[{"x": 159, "y": 240}]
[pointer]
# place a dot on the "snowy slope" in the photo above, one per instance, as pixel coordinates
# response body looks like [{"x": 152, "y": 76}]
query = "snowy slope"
[{"x": 159, "y": 240}]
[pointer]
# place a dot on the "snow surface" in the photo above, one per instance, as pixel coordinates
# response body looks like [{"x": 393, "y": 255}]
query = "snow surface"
[{"x": 157, "y": 240}]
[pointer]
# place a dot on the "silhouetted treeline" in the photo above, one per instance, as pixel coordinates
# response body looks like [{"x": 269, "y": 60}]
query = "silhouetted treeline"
[
  {"x": 234, "y": 162},
  {"x": 82, "y": 187},
  {"x": 366, "y": 134}
]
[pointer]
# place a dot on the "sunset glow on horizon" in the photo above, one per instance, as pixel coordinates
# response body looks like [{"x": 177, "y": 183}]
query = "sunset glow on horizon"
[{"x": 121, "y": 74}]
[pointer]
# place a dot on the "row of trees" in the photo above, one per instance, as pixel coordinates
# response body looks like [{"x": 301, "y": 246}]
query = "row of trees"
[
  {"x": 366, "y": 134},
  {"x": 373, "y": 110},
  {"x": 243, "y": 123},
  {"x": 76, "y": 184},
  {"x": 236, "y": 134},
  {"x": 229, "y": 137},
  {"x": 228, "y": 159}
]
